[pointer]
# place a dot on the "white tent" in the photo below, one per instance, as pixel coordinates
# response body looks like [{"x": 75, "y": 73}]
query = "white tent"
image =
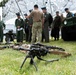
[
  {"x": 10, "y": 21},
  {"x": 1, "y": 12}
]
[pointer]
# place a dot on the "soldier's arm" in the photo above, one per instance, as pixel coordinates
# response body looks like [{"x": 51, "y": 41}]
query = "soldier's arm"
[
  {"x": 16, "y": 22},
  {"x": 22, "y": 23},
  {"x": 43, "y": 19},
  {"x": 50, "y": 19},
  {"x": 3, "y": 25},
  {"x": 60, "y": 21},
  {"x": 31, "y": 15}
]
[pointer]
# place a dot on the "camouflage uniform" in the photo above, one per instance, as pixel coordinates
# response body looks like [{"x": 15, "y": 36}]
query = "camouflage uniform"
[
  {"x": 36, "y": 31},
  {"x": 2, "y": 25},
  {"x": 37, "y": 25}
]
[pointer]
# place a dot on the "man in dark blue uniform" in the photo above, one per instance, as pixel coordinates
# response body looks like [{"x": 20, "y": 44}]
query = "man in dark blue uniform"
[
  {"x": 69, "y": 14},
  {"x": 47, "y": 24},
  {"x": 30, "y": 26},
  {"x": 19, "y": 23},
  {"x": 56, "y": 26},
  {"x": 26, "y": 27}
]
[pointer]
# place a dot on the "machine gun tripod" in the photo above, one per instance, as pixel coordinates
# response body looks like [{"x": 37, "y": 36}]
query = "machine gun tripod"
[{"x": 36, "y": 52}]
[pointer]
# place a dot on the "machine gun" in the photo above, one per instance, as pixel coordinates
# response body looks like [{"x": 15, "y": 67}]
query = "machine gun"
[{"x": 38, "y": 50}]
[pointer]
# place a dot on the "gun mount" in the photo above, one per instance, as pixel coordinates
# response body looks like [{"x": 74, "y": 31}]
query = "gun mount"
[{"x": 38, "y": 50}]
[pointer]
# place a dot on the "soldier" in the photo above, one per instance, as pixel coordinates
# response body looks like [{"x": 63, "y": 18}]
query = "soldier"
[
  {"x": 2, "y": 26},
  {"x": 37, "y": 23},
  {"x": 26, "y": 27},
  {"x": 30, "y": 26},
  {"x": 62, "y": 18},
  {"x": 47, "y": 24},
  {"x": 56, "y": 26},
  {"x": 69, "y": 14},
  {"x": 19, "y": 23}
]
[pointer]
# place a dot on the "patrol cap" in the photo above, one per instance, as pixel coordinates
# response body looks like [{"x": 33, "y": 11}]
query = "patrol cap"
[
  {"x": 18, "y": 14},
  {"x": 57, "y": 11},
  {"x": 30, "y": 10},
  {"x": 66, "y": 9},
  {"x": 43, "y": 8},
  {"x": 25, "y": 14}
]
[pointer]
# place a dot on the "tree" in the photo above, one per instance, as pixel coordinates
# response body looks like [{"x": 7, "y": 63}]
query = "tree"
[{"x": 2, "y": 3}]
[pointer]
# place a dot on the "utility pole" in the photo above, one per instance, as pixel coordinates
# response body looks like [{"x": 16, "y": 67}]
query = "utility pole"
[{"x": 19, "y": 8}]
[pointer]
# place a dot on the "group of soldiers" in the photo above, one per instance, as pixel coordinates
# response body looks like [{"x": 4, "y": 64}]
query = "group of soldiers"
[{"x": 38, "y": 24}]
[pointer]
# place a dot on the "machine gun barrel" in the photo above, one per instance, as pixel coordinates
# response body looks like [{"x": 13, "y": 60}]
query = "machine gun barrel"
[
  {"x": 24, "y": 49},
  {"x": 48, "y": 47},
  {"x": 36, "y": 49},
  {"x": 53, "y": 47}
]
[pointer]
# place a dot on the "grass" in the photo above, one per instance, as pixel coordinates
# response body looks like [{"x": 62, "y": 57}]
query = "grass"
[{"x": 10, "y": 61}]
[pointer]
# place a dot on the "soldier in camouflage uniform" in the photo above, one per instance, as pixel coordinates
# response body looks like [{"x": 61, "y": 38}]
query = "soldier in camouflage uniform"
[
  {"x": 19, "y": 23},
  {"x": 2, "y": 25},
  {"x": 37, "y": 23}
]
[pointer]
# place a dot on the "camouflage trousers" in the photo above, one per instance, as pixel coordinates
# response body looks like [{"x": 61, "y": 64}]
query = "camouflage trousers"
[{"x": 36, "y": 32}]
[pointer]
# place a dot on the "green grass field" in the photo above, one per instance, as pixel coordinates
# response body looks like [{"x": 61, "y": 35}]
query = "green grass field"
[{"x": 10, "y": 61}]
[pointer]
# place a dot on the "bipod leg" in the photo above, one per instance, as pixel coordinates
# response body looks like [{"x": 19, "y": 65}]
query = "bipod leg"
[
  {"x": 47, "y": 60},
  {"x": 34, "y": 63},
  {"x": 24, "y": 62}
]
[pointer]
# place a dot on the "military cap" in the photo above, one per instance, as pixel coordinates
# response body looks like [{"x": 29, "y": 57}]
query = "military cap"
[
  {"x": 43, "y": 8},
  {"x": 57, "y": 11},
  {"x": 30, "y": 10},
  {"x": 25, "y": 14},
  {"x": 18, "y": 14},
  {"x": 66, "y": 9}
]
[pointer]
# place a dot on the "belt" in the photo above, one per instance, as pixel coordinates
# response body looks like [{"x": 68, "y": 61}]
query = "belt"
[{"x": 37, "y": 21}]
